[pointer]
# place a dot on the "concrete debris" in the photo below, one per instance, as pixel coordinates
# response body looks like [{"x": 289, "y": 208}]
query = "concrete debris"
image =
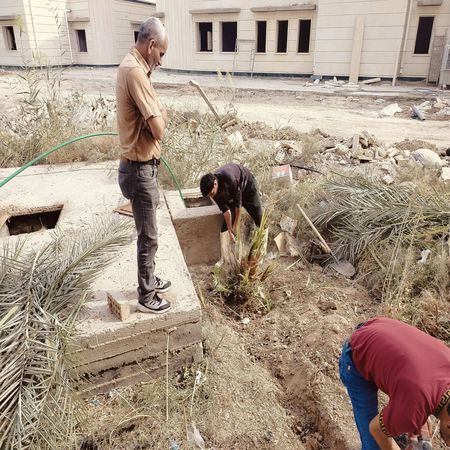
[
  {"x": 235, "y": 139},
  {"x": 440, "y": 105},
  {"x": 316, "y": 82},
  {"x": 425, "y": 106},
  {"x": 245, "y": 321},
  {"x": 287, "y": 245},
  {"x": 424, "y": 254},
  {"x": 445, "y": 174},
  {"x": 390, "y": 110},
  {"x": 444, "y": 112},
  {"x": 380, "y": 101},
  {"x": 388, "y": 179},
  {"x": 287, "y": 224},
  {"x": 371, "y": 81},
  {"x": 427, "y": 158},
  {"x": 417, "y": 113},
  {"x": 282, "y": 175}
]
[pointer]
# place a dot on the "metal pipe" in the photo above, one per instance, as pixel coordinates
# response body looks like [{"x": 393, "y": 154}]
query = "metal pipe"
[
  {"x": 68, "y": 34},
  {"x": 34, "y": 32}
]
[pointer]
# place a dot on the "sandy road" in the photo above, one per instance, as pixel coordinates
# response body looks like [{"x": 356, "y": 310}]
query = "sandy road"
[{"x": 279, "y": 102}]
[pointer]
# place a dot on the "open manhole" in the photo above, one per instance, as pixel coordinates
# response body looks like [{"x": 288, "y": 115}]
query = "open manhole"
[
  {"x": 33, "y": 220},
  {"x": 197, "y": 202}
]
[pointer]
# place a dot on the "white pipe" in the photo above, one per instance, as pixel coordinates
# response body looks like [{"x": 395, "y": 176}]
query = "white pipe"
[
  {"x": 68, "y": 34},
  {"x": 34, "y": 33},
  {"x": 405, "y": 36}
]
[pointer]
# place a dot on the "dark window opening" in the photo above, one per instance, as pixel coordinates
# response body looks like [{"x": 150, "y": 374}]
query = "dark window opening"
[
  {"x": 136, "y": 35},
  {"x": 82, "y": 44},
  {"x": 10, "y": 38},
  {"x": 423, "y": 37},
  {"x": 261, "y": 34},
  {"x": 229, "y": 36},
  {"x": 205, "y": 33},
  {"x": 304, "y": 36},
  {"x": 282, "y": 36},
  {"x": 29, "y": 223}
]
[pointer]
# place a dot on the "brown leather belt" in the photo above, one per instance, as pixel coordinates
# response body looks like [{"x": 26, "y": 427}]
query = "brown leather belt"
[{"x": 152, "y": 162}]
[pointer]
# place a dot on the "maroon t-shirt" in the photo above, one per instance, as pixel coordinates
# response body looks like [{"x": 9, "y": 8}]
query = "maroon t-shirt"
[{"x": 410, "y": 366}]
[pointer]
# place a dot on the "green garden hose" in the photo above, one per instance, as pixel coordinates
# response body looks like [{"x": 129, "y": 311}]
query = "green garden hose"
[{"x": 71, "y": 141}]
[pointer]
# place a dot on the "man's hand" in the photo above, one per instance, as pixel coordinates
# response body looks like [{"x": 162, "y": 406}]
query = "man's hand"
[
  {"x": 383, "y": 441},
  {"x": 232, "y": 237}
]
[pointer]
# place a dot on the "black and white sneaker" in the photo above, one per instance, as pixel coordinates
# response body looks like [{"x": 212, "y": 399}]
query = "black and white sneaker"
[
  {"x": 162, "y": 286},
  {"x": 156, "y": 305}
]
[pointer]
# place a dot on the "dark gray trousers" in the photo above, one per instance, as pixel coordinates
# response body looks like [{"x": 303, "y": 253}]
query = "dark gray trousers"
[{"x": 138, "y": 183}]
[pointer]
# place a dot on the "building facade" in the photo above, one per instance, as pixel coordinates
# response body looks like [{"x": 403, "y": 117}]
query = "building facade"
[
  {"x": 347, "y": 38},
  {"x": 64, "y": 32}
]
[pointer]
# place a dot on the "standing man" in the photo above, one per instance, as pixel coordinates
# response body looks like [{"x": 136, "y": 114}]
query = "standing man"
[
  {"x": 141, "y": 120},
  {"x": 410, "y": 366},
  {"x": 233, "y": 186}
]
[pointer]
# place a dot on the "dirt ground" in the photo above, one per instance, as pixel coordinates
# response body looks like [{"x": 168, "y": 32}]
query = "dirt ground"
[
  {"x": 274, "y": 380},
  {"x": 340, "y": 112}
]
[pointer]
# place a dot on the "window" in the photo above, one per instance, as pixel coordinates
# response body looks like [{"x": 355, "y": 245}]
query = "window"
[
  {"x": 10, "y": 38},
  {"x": 136, "y": 34},
  {"x": 282, "y": 36},
  {"x": 229, "y": 36},
  {"x": 304, "y": 34},
  {"x": 261, "y": 33},
  {"x": 82, "y": 44},
  {"x": 423, "y": 37},
  {"x": 205, "y": 35}
]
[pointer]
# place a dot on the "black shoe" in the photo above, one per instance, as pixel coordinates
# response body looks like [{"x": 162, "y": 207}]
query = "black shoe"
[
  {"x": 162, "y": 286},
  {"x": 156, "y": 305}
]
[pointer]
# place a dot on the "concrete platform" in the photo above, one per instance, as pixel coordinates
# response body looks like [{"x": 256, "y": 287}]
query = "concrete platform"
[
  {"x": 107, "y": 352},
  {"x": 196, "y": 220}
]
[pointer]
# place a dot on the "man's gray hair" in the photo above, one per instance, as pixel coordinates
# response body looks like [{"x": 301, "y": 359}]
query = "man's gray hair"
[{"x": 152, "y": 28}]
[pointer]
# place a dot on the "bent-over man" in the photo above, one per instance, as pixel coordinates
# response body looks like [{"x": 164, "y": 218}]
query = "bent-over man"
[
  {"x": 141, "y": 122},
  {"x": 231, "y": 187},
  {"x": 410, "y": 366}
]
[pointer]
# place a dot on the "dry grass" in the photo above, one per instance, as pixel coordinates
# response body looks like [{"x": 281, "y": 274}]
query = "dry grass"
[{"x": 235, "y": 404}]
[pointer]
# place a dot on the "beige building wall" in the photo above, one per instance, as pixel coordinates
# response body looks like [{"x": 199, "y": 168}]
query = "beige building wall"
[
  {"x": 418, "y": 65},
  {"x": 181, "y": 20},
  {"x": 46, "y": 31},
  {"x": 11, "y": 15},
  {"x": 382, "y": 35},
  {"x": 386, "y": 39}
]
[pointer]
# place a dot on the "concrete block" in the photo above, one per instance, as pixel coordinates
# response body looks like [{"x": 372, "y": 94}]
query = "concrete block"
[
  {"x": 197, "y": 223},
  {"x": 118, "y": 304},
  {"x": 282, "y": 175},
  {"x": 146, "y": 370}
]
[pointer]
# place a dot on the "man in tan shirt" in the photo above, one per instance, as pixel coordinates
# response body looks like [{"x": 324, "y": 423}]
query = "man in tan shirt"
[{"x": 141, "y": 120}]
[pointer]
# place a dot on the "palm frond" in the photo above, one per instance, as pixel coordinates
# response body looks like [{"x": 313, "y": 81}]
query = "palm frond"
[
  {"x": 361, "y": 214},
  {"x": 40, "y": 295}
]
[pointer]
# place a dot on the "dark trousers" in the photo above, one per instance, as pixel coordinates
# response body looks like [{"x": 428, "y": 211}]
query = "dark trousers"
[
  {"x": 251, "y": 201},
  {"x": 138, "y": 183}
]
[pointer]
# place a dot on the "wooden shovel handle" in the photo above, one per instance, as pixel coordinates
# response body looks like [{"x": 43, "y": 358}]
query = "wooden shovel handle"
[{"x": 316, "y": 231}]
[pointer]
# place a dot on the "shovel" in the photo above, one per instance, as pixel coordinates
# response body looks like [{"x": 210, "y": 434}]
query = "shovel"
[{"x": 341, "y": 266}]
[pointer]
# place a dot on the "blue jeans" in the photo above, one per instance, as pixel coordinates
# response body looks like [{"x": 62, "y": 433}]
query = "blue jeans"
[
  {"x": 138, "y": 183},
  {"x": 363, "y": 395}
]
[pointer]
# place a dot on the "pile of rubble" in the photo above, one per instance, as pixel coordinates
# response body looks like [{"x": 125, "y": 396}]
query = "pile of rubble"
[{"x": 360, "y": 149}]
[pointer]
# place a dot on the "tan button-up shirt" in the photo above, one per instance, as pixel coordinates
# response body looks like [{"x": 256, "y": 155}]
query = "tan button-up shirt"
[{"x": 136, "y": 103}]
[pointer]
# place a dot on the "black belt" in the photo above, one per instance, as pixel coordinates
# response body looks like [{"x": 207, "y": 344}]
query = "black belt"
[{"x": 152, "y": 162}]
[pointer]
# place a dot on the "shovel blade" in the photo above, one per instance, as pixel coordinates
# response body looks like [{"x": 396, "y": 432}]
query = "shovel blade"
[{"x": 344, "y": 268}]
